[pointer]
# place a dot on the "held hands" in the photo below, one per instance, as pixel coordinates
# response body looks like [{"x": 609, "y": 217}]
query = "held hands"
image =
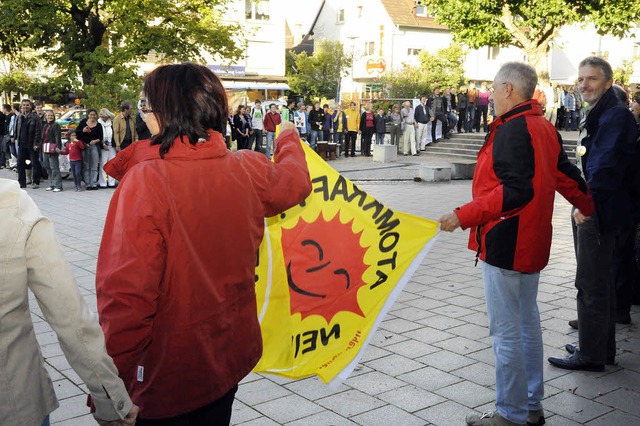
[
  {"x": 449, "y": 222},
  {"x": 431, "y": 118},
  {"x": 579, "y": 218},
  {"x": 86, "y": 129}
]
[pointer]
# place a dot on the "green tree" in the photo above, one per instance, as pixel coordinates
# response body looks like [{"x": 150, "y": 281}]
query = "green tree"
[
  {"x": 530, "y": 24},
  {"x": 319, "y": 75},
  {"x": 444, "y": 68},
  {"x": 623, "y": 72},
  {"x": 99, "y": 40}
]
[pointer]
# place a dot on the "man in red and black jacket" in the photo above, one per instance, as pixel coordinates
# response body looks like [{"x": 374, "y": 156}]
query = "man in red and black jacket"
[{"x": 520, "y": 167}]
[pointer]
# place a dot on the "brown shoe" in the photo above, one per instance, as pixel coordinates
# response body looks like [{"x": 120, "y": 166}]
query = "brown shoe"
[{"x": 573, "y": 324}]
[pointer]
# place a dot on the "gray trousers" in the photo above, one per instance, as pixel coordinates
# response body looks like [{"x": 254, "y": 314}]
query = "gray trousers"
[
  {"x": 596, "y": 293},
  {"x": 52, "y": 165},
  {"x": 90, "y": 165}
]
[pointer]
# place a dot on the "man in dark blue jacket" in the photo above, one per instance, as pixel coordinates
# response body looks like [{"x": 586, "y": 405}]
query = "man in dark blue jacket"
[{"x": 605, "y": 149}]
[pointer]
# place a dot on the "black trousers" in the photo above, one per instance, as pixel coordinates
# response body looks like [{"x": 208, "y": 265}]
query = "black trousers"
[
  {"x": 350, "y": 143},
  {"x": 218, "y": 413},
  {"x": 27, "y": 153},
  {"x": 445, "y": 126},
  {"x": 624, "y": 267},
  {"x": 596, "y": 293},
  {"x": 365, "y": 141}
]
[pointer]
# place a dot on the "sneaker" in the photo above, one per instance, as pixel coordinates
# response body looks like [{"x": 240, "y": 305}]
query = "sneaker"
[
  {"x": 488, "y": 418},
  {"x": 536, "y": 418},
  {"x": 573, "y": 324},
  {"x": 35, "y": 186},
  {"x": 49, "y": 188},
  {"x": 57, "y": 190}
]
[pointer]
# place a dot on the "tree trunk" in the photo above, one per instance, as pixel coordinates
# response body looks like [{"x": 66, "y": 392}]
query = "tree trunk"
[{"x": 538, "y": 57}]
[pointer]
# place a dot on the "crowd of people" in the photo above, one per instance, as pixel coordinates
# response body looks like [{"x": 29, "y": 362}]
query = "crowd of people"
[{"x": 32, "y": 143}]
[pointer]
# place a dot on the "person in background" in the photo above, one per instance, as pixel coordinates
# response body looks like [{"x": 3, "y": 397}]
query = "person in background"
[
  {"x": 90, "y": 133},
  {"x": 353, "y": 127},
  {"x": 124, "y": 129},
  {"x": 340, "y": 127},
  {"x": 316, "y": 118},
  {"x": 33, "y": 261},
  {"x": 409, "y": 130},
  {"x": 301, "y": 119},
  {"x": 4, "y": 134},
  {"x": 28, "y": 135},
  {"x": 108, "y": 147},
  {"x": 463, "y": 120},
  {"x": 396, "y": 125},
  {"x": 327, "y": 127},
  {"x": 367, "y": 129},
  {"x": 380, "y": 124},
  {"x": 242, "y": 127},
  {"x": 141, "y": 127},
  {"x": 257, "y": 116},
  {"x": 73, "y": 148},
  {"x": 52, "y": 145},
  {"x": 520, "y": 167},
  {"x": 175, "y": 289},
  {"x": 289, "y": 111},
  {"x": 270, "y": 123}
]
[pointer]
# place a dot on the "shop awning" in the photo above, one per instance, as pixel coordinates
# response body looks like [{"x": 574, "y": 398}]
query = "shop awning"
[{"x": 253, "y": 85}]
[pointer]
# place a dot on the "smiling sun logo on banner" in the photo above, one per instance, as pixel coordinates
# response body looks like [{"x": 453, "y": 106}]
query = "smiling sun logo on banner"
[{"x": 328, "y": 271}]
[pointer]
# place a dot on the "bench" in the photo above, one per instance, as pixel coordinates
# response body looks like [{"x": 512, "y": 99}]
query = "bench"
[
  {"x": 385, "y": 153},
  {"x": 463, "y": 169},
  {"x": 434, "y": 173}
]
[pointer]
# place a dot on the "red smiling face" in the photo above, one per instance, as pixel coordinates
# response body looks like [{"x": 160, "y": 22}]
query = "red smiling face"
[{"x": 325, "y": 264}]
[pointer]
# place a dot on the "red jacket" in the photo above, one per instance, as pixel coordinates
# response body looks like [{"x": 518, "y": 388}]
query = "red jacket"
[
  {"x": 520, "y": 167},
  {"x": 175, "y": 274}
]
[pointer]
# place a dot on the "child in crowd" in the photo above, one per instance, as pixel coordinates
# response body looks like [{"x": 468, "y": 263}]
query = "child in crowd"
[
  {"x": 380, "y": 122},
  {"x": 74, "y": 148}
]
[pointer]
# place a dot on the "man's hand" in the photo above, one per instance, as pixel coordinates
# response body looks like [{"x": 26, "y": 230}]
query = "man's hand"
[
  {"x": 449, "y": 222},
  {"x": 579, "y": 218},
  {"x": 287, "y": 125},
  {"x": 129, "y": 420},
  {"x": 431, "y": 118}
]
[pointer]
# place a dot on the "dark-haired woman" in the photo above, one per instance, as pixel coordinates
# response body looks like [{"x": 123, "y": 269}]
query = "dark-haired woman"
[
  {"x": 242, "y": 127},
  {"x": 89, "y": 131},
  {"x": 175, "y": 275},
  {"x": 52, "y": 137}
]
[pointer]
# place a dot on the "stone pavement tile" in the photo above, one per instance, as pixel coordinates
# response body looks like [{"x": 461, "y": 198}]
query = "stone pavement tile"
[
  {"x": 65, "y": 388},
  {"x": 374, "y": 382},
  {"x": 453, "y": 285},
  {"x": 437, "y": 293},
  {"x": 399, "y": 325},
  {"x": 467, "y": 394},
  {"x": 412, "y": 348},
  {"x": 58, "y": 362},
  {"x": 412, "y": 313},
  {"x": 387, "y": 415},
  {"x": 623, "y": 399},
  {"x": 288, "y": 408},
  {"x": 373, "y": 352},
  {"x": 629, "y": 361},
  {"x": 69, "y": 408},
  {"x": 584, "y": 385},
  {"x": 259, "y": 391},
  {"x": 440, "y": 322},
  {"x": 448, "y": 413},
  {"x": 425, "y": 304},
  {"x": 260, "y": 421},
  {"x": 72, "y": 375},
  {"x": 429, "y": 335},
  {"x": 465, "y": 301},
  {"x": 557, "y": 420},
  {"x": 461, "y": 345},
  {"x": 411, "y": 398},
  {"x": 574, "y": 407},
  {"x": 445, "y": 361},
  {"x": 478, "y": 373},
  {"x": 51, "y": 350},
  {"x": 453, "y": 311},
  {"x": 242, "y": 413},
  {"x": 313, "y": 388},
  {"x": 325, "y": 418},
  {"x": 384, "y": 338},
  {"x": 475, "y": 290},
  {"x": 350, "y": 403},
  {"x": 394, "y": 365},
  {"x": 429, "y": 378},
  {"x": 54, "y": 374},
  {"x": 47, "y": 338},
  {"x": 614, "y": 418}
]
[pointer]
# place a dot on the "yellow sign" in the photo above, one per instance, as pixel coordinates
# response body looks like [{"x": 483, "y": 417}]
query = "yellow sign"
[{"x": 328, "y": 271}]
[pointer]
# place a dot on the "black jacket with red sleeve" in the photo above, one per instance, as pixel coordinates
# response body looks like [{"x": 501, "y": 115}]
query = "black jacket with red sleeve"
[{"x": 520, "y": 167}]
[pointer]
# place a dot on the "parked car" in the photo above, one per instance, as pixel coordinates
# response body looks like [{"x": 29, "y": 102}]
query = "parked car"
[{"x": 71, "y": 119}]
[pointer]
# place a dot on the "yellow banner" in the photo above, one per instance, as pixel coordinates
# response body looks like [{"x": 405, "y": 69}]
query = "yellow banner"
[{"x": 328, "y": 271}]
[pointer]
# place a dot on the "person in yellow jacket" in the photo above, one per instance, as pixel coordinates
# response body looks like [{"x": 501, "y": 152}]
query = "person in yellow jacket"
[{"x": 353, "y": 124}]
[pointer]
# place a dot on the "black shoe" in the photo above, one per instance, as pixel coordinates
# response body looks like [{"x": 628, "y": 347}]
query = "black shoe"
[
  {"x": 536, "y": 418},
  {"x": 447, "y": 137},
  {"x": 573, "y": 324},
  {"x": 574, "y": 362},
  {"x": 571, "y": 348}
]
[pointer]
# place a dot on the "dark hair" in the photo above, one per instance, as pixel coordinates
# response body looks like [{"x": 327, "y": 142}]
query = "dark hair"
[
  {"x": 72, "y": 132},
  {"x": 239, "y": 108},
  {"x": 125, "y": 106},
  {"x": 90, "y": 110},
  {"x": 6, "y": 106},
  {"x": 187, "y": 100},
  {"x": 325, "y": 106}
]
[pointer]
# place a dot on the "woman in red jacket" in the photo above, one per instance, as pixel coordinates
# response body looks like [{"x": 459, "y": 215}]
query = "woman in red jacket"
[{"x": 175, "y": 274}]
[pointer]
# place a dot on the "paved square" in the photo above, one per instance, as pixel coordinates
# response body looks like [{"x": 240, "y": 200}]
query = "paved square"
[{"x": 431, "y": 361}]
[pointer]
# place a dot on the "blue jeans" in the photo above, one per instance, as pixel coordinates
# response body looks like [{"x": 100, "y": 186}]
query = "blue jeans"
[
  {"x": 379, "y": 138},
  {"x": 46, "y": 421},
  {"x": 270, "y": 138},
  {"x": 514, "y": 325},
  {"x": 76, "y": 170},
  {"x": 316, "y": 135}
]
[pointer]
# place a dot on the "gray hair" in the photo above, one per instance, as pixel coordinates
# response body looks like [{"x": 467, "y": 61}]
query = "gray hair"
[
  {"x": 594, "y": 61},
  {"x": 107, "y": 113},
  {"x": 522, "y": 76}
]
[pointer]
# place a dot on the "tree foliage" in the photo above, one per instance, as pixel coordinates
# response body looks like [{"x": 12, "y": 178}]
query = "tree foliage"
[
  {"x": 444, "y": 68},
  {"x": 319, "y": 75},
  {"x": 103, "y": 40},
  {"x": 530, "y": 24}
]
